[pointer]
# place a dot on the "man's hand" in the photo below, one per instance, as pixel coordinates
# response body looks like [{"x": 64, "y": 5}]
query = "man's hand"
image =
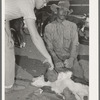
[
  {"x": 51, "y": 65},
  {"x": 69, "y": 63},
  {"x": 59, "y": 65}
]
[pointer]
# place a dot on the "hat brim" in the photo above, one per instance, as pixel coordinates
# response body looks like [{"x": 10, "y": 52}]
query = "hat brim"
[
  {"x": 57, "y": 6},
  {"x": 54, "y": 7}
]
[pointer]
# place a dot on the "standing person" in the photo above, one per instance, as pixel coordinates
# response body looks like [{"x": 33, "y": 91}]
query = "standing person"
[
  {"x": 15, "y": 9},
  {"x": 61, "y": 38}
]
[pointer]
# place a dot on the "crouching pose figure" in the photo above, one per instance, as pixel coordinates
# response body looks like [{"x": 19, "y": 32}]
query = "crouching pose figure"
[{"x": 61, "y": 38}]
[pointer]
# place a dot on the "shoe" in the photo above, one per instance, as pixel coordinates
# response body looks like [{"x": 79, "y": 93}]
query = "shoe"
[{"x": 14, "y": 88}]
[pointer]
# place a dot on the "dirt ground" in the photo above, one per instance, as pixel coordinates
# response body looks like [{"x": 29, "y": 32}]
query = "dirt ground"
[{"x": 29, "y": 64}]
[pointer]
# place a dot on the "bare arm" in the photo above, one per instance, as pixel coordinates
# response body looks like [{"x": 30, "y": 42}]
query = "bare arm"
[{"x": 37, "y": 40}]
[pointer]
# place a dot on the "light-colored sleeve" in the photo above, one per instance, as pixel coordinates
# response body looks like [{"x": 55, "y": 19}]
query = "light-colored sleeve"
[
  {"x": 48, "y": 38},
  {"x": 27, "y": 10},
  {"x": 74, "y": 42}
]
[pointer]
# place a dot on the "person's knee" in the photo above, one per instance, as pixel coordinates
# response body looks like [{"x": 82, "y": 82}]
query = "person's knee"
[
  {"x": 85, "y": 66},
  {"x": 77, "y": 70},
  {"x": 68, "y": 94}
]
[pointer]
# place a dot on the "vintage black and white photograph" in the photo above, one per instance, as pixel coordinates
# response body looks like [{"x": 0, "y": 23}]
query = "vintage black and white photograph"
[{"x": 47, "y": 49}]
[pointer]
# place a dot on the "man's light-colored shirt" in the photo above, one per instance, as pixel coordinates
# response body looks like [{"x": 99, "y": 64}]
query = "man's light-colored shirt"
[
  {"x": 19, "y": 8},
  {"x": 61, "y": 39}
]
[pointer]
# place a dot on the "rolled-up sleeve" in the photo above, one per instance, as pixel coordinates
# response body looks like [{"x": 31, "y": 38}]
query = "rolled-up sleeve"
[{"x": 27, "y": 10}]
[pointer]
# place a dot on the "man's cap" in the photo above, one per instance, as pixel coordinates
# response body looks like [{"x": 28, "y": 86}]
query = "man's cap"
[{"x": 61, "y": 4}]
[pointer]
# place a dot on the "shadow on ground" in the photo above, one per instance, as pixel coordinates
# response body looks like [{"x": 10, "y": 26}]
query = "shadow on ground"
[{"x": 33, "y": 66}]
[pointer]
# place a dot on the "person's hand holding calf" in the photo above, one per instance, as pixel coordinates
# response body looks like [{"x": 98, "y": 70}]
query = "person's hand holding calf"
[
  {"x": 69, "y": 62},
  {"x": 49, "y": 61},
  {"x": 59, "y": 64}
]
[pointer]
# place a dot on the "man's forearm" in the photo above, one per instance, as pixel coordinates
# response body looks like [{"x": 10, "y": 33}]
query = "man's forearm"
[
  {"x": 49, "y": 44},
  {"x": 37, "y": 40},
  {"x": 40, "y": 46},
  {"x": 54, "y": 56}
]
